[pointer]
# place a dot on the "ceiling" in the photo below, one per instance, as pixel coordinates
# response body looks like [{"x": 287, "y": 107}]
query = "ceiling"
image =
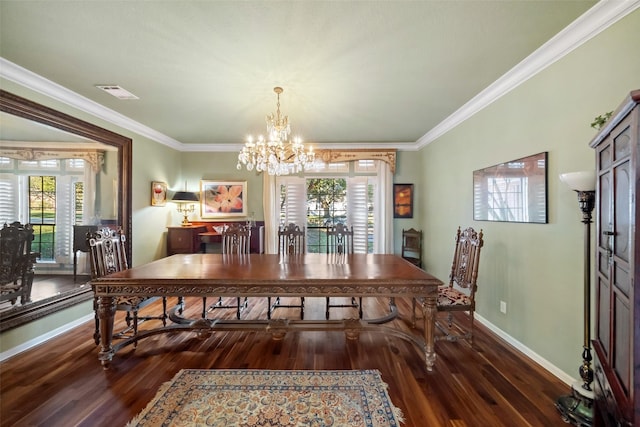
[{"x": 354, "y": 73}]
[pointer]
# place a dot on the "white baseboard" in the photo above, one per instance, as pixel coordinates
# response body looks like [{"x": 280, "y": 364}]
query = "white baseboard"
[
  {"x": 45, "y": 337},
  {"x": 560, "y": 374}
]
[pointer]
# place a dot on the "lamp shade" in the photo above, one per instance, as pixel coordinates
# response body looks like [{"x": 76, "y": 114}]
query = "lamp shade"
[
  {"x": 185, "y": 196},
  {"x": 580, "y": 181}
]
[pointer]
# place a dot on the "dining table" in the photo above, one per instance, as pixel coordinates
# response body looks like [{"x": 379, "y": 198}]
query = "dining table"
[{"x": 270, "y": 275}]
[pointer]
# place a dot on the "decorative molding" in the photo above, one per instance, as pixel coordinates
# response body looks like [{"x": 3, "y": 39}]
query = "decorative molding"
[
  {"x": 591, "y": 23},
  {"x": 33, "y": 81},
  {"x": 332, "y": 156},
  {"x": 597, "y": 19},
  {"x": 94, "y": 157}
]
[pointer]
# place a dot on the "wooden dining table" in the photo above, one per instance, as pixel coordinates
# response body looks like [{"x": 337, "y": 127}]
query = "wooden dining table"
[{"x": 264, "y": 275}]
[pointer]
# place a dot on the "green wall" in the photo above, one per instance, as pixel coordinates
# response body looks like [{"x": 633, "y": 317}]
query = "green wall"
[{"x": 535, "y": 268}]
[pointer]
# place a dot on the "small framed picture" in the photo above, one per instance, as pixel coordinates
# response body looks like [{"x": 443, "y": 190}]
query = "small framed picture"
[
  {"x": 403, "y": 200},
  {"x": 158, "y": 193},
  {"x": 222, "y": 199}
]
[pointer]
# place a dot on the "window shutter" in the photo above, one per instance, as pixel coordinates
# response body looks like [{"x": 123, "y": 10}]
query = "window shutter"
[
  {"x": 357, "y": 211},
  {"x": 294, "y": 204},
  {"x": 8, "y": 198},
  {"x": 64, "y": 218}
]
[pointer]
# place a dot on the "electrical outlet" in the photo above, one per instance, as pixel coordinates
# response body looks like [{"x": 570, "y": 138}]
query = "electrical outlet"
[{"x": 503, "y": 307}]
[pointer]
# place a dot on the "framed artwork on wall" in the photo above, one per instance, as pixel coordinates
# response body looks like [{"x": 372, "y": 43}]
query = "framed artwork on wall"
[
  {"x": 158, "y": 193},
  {"x": 514, "y": 191},
  {"x": 403, "y": 200},
  {"x": 223, "y": 199}
]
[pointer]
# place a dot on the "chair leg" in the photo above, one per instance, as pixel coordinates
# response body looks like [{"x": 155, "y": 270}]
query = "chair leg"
[
  {"x": 353, "y": 304},
  {"x": 413, "y": 312},
  {"x": 135, "y": 328},
  {"x": 301, "y": 308},
  {"x": 268, "y": 308},
  {"x": 96, "y": 333},
  {"x": 164, "y": 311}
]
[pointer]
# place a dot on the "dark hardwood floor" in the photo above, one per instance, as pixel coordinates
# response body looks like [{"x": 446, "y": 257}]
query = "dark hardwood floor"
[{"x": 61, "y": 382}]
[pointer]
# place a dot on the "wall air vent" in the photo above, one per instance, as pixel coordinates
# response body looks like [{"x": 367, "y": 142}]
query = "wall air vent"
[{"x": 117, "y": 91}]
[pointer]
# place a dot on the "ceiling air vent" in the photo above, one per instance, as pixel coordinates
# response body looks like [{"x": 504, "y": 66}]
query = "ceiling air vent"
[{"x": 117, "y": 91}]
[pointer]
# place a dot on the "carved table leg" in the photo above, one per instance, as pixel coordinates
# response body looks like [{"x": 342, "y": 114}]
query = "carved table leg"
[
  {"x": 106, "y": 313},
  {"x": 429, "y": 315}
]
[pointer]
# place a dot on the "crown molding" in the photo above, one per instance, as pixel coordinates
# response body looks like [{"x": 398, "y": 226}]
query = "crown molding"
[
  {"x": 37, "y": 83},
  {"x": 601, "y": 16}
]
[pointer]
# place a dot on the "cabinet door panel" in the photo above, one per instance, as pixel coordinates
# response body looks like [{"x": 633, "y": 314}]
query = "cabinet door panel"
[{"x": 621, "y": 345}]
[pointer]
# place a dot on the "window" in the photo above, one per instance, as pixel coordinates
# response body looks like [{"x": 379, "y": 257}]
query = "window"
[
  {"x": 49, "y": 194},
  {"x": 42, "y": 214},
  {"x": 322, "y": 201}
]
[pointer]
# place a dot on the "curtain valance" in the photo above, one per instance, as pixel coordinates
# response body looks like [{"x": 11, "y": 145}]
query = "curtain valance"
[
  {"x": 332, "y": 156},
  {"x": 94, "y": 157}
]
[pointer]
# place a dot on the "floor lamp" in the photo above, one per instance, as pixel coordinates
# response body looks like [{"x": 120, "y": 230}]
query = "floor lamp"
[{"x": 577, "y": 408}]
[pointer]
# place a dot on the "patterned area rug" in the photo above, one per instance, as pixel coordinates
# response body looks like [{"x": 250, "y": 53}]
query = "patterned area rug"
[{"x": 197, "y": 397}]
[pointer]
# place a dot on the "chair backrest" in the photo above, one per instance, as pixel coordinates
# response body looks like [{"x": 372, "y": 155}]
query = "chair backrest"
[
  {"x": 107, "y": 251},
  {"x": 340, "y": 239},
  {"x": 412, "y": 244},
  {"x": 466, "y": 259},
  {"x": 16, "y": 257},
  {"x": 291, "y": 240},
  {"x": 236, "y": 239}
]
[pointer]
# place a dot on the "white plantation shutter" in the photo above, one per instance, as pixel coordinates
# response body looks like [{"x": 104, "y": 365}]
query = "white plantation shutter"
[
  {"x": 9, "y": 194},
  {"x": 295, "y": 198},
  {"x": 357, "y": 211},
  {"x": 88, "y": 194},
  {"x": 64, "y": 219}
]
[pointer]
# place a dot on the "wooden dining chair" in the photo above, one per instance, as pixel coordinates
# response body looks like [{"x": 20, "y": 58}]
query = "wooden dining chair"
[
  {"x": 459, "y": 294},
  {"x": 291, "y": 241},
  {"x": 107, "y": 255},
  {"x": 16, "y": 262},
  {"x": 412, "y": 246},
  {"x": 236, "y": 240},
  {"x": 340, "y": 243}
]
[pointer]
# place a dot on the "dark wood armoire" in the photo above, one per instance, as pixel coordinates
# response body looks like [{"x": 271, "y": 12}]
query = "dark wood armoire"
[{"x": 617, "y": 270}]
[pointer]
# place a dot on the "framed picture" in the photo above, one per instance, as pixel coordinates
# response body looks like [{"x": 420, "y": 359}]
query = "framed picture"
[
  {"x": 158, "y": 193},
  {"x": 514, "y": 191},
  {"x": 222, "y": 199},
  {"x": 403, "y": 200}
]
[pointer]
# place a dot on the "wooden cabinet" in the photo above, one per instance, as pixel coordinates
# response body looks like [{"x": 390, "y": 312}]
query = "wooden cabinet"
[
  {"x": 184, "y": 240},
  {"x": 617, "y": 272}
]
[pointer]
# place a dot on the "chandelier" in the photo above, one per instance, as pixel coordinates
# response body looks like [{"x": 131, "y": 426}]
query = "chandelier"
[{"x": 277, "y": 154}]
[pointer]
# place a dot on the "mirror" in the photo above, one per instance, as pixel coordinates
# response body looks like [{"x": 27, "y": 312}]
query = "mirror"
[
  {"x": 514, "y": 191},
  {"x": 115, "y": 168}
]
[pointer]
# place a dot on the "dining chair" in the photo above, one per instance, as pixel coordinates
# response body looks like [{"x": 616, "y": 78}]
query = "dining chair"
[
  {"x": 412, "y": 246},
  {"x": 340, "y": 243},
  {"x": 16, "y": 262},
  {"x": 107, "y": 255},
  {"x": 291, "y": 241},
  {"x": 459, "y": 294},
  {"x": 236, "y": 241}
]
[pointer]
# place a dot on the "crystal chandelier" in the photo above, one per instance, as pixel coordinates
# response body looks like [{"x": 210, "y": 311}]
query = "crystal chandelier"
[{"x": 277, "y": 154}]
